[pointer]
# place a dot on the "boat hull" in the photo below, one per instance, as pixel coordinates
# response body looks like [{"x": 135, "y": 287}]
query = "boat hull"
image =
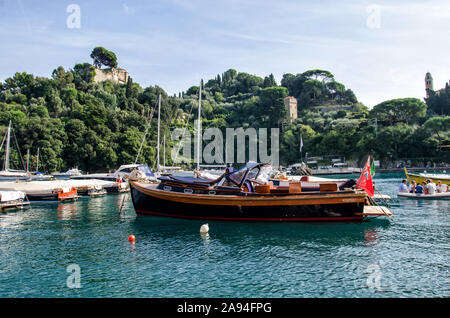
[
  {"x": 423, "y": 178},
  {"x": 421, "y": 196},
  {"x": 148, "y": 200}
]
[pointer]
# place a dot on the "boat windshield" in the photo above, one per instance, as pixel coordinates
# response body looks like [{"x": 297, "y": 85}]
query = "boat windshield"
[
  {"x": 253, "y": 170},
  {"x": 253, "y": 174},
  {"x": 145, "y": 169},
  {"x": 238, "y": 175}
]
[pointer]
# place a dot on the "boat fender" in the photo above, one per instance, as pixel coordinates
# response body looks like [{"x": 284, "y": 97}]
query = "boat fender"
[{"x": 204, "y": 228}]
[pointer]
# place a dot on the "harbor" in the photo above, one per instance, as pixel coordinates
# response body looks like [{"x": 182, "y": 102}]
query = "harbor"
[
  {"x": 170, "y": 258},
  {"x": 224, "y": 156}
]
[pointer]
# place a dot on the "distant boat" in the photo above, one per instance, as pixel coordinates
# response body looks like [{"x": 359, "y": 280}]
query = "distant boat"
[
  {"x": 119, "y": 178},
  {"x": 7, "y": 173},
  {"x": 421, "y": 177},
  {"x": 39, "y": 176},
  {"x": 69, "y": 173}
]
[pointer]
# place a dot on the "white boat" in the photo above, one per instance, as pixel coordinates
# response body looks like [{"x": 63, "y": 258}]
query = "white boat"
[
  {"x": 423, "y": 196},
  {"x": 69, "y": 173},
  {"x": 119, "y": 174},
  {"x": 6, "y": 173},
  {"x": 12, "y": 200}
]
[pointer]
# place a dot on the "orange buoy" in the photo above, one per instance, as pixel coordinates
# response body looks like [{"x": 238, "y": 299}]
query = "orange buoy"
[{"x": 131, "y": 238}]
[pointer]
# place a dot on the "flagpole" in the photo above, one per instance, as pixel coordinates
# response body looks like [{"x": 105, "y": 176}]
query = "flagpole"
[{"x": 301, "y": 148}]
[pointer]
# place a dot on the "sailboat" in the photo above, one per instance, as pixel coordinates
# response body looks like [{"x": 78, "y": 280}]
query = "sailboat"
[
  {"x": 7, "y": 173},
  {"x": 214, "y": 171},
  {"x": 162, "y": 170},
  {"x": 39, "y": 176}
]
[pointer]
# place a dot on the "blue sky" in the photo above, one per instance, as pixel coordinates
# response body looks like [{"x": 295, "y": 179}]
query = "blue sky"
[{"x": 379, "y": 49}]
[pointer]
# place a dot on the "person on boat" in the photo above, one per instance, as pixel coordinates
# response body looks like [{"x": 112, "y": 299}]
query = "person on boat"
[
  {"x": 419, "y": 188},
  {"x": 412, "y": 187},
  {"x": 431, "y": 187},
  {"x": 403, "y": 186},
  {"x": 441, "y": 187}
]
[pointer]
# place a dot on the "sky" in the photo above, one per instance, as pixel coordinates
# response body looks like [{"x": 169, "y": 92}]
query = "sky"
[{"x": 379, "y": 49}]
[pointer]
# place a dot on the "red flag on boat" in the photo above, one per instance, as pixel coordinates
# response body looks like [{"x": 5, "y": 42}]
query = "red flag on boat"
[{"x": 365, "y": 180}]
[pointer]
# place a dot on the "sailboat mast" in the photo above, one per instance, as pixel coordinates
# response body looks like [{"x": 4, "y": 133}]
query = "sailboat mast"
[
  {"x": 159, "y": 119},
  {"x": 199, "y": 125},
  {"x": 164, "y": 153},
  {"x": 28, "y": 160},
  {"x": 7, "y": 147},
  {"x": 37, "y": 161}
]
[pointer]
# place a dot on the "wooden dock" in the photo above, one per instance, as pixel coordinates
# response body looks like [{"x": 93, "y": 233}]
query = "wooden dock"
[{"x": 13, "y": 205}]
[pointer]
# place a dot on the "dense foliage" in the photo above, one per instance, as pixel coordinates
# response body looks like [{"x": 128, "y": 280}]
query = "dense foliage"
[{"x": 96, "y": 126}]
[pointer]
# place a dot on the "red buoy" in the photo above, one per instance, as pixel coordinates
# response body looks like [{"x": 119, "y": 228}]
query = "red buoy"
[{"x": 131, "y": 238}]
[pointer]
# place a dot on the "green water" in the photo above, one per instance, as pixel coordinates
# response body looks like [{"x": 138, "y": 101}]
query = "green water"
[{"x": 405, "y": 257}]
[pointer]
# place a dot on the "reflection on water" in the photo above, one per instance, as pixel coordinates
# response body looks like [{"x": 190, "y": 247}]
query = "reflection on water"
[
  {"x": 371, "y": 236},
  {"x": 66, "y": 211},
  {"x": 274, "y": 233}
]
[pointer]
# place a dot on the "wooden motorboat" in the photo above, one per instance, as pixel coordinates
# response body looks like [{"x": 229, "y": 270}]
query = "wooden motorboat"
[
  {"x": 423, "y": 196},
  {"x": 238, "y": 196}
]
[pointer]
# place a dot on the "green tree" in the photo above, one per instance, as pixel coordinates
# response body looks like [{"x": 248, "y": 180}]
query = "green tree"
[
  {"x": 438, "y": 126},
  {"x": 271, "y": 105},
  {"x": 102, "y": 56},
  {"x": 404, "y": 110}
]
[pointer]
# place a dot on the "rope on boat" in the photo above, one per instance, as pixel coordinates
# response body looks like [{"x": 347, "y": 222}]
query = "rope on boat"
[
  {"x": 18, "y": 149},
  {"x": 145, "y": 135},
  {"x": 385, "y": 202},
  {"x": 184, "y": 131},
  {"x": 1, "y": 146},
  {"x": 123, "y": 203}
]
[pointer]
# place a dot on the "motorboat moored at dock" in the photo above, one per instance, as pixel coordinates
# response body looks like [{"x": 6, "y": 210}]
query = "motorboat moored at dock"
[
  {"x": 12, "y": 200},
  {"x": 238, "y": 196}
]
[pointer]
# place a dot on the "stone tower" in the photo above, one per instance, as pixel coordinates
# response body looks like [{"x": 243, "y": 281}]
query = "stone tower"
[
  {"x": 428, "y": 83},
  {"x": 291, "y": 106}
]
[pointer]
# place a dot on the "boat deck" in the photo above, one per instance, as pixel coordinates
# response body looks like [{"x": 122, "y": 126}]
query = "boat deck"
[
  {"x": 13, "y": 205},
  {"x": 374, "y": 210}
]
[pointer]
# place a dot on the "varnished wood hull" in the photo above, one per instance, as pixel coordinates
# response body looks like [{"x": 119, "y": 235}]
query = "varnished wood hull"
[{"x": 319, "y": 207}]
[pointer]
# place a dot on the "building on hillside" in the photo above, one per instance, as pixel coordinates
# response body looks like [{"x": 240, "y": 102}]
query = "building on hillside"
[
  {"x": 291, "y": 106},
  {"x": 429, "y": 85},
  {"x": 116, "y": 75}
]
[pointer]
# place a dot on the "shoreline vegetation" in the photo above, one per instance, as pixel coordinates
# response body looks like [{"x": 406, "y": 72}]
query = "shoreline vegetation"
[{"x": 78, "y": 122}]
